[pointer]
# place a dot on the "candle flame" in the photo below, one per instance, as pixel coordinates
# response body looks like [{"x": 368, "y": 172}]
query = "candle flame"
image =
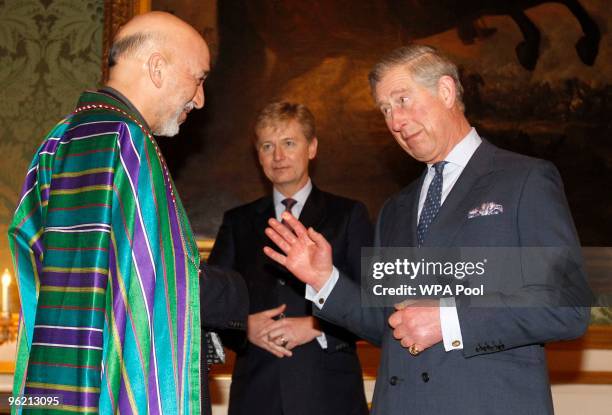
[{"x": 6, "y": 277}]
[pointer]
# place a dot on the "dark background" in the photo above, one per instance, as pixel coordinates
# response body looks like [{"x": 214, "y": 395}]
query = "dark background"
[{"x": 319, "y": 53}]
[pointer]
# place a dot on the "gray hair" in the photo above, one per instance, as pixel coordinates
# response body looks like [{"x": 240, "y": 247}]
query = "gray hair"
[
  {"x": 425, "y": 64},
  {"x": 129, "y": 46}
]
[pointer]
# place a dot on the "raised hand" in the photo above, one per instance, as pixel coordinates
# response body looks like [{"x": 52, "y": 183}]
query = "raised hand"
[
  {"x": 257, "y": 331},
  {"x": 308, "y": 255}
]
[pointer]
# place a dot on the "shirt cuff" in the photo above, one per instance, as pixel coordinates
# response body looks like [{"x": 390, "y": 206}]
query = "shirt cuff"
[
  {"x": 449, "y": 322},
  {"x": 319, "y": 298},
  {"x": 322, "y": 341}
]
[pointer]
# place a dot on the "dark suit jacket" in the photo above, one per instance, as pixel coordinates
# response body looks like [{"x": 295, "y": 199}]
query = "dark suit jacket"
[
  {"x": 224, "y": 308},
  {"x": 313, "y": 380},
  {"x": 502, "y": 367}
]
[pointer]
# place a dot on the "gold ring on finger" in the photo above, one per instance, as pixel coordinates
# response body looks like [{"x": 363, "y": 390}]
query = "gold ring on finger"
[{"x": 414, "y": 350}]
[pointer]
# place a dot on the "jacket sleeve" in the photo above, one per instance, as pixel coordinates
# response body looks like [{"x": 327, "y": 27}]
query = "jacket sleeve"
[
  {"x": 343, "y": 307},
  {"x": 27, "y": 249},
  {"x": 225, "y": 302},
  {"x": 358, "y": 234},
  {"x": 224, "y": 299}
]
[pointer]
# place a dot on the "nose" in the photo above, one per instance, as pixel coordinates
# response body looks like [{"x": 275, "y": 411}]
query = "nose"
[
  {"x": 278, "y": 153},
  {"x": 397, "y": 120},
  {"x": 198, "y": 99}
]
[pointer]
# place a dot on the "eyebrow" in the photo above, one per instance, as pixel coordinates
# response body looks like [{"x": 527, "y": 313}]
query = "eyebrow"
[
  {"x": 399, "y": 91},
  {"x": 393, "y": 93}
]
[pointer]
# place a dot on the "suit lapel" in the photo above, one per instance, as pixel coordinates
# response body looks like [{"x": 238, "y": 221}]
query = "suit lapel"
[
  {"x": 453, "y": 212},
  {"x": 313, "y": 212},
  {"x": 264, "y": 210}
]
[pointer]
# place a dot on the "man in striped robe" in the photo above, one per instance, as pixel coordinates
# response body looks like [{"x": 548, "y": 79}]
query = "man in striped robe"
[{"x": 106, "y": 261}]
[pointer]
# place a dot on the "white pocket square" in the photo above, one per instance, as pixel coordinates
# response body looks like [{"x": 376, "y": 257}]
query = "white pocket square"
[{"x": 486, "y": 209}]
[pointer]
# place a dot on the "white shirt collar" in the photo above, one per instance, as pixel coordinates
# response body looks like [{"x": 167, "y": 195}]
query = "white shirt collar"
[
  {"x": 300, "y": 197},
  {"x": 464, "y": 149}
]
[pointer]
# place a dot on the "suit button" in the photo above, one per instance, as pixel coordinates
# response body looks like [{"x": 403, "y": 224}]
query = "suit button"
[
  {"x": 281, "y": 281},
  {"x": 425, "y": 377},
  {"x": 393, "y": 380}
]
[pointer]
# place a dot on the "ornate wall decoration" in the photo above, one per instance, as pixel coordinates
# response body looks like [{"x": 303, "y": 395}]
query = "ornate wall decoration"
[
  {"x": 50, "y": 50},
  {"x": 116, "y": 13}
]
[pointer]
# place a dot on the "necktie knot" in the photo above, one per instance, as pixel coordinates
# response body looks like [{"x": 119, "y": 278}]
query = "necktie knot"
[
  {"x": 289, "y": 204},
  {"x": 439, "y": 166}
]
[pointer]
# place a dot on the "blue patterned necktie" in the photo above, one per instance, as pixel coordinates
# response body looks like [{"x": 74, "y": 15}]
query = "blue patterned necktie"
[{"x": 432, "y": 203}]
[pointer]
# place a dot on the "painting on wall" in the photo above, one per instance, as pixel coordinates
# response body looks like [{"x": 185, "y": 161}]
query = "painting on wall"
[{"x": 537, "y": 78}]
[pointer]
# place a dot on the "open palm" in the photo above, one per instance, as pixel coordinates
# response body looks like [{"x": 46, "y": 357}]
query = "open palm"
[{"x": 307, "y": 254}]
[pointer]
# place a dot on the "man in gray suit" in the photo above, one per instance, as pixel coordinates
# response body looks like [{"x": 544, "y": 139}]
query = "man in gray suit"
[{"x": 448, "y": 356}]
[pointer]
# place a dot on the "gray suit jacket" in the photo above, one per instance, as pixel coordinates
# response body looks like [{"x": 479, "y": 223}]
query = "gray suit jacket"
[{"x": 502, "y": 367}]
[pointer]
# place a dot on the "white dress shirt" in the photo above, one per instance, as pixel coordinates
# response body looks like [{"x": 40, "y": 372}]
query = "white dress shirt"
[
  {"x": 456, "y": 160},
  {"x": 300, "y": 197}
]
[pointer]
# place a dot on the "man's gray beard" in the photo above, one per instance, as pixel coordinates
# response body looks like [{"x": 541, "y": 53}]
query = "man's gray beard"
[{"x": 170, "y": 127}]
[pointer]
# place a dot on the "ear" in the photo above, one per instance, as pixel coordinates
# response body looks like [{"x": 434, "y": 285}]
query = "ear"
[
  {"x": 447, "y": 91},
  {"x": 312, "y": 148},
  {"x": 157, "y": 65}
]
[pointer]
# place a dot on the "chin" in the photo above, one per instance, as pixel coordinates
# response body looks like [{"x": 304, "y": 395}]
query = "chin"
[
  {"x": 168, "y": 134},
  {"x": 280, "y": 180},
  {"x": 168, "y": 128}
]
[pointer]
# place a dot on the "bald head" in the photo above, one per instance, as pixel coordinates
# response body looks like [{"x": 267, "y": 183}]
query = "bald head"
[
  {"x": 150, "y": 31},
  {"x": 159, "y": 62}
]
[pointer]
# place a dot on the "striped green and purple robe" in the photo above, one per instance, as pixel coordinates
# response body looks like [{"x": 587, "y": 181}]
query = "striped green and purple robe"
[{"x": 107, "y": 268}]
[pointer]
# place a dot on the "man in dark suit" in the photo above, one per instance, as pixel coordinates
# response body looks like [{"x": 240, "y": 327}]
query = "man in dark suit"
[
  {"x": 293, "y": 363},
  {"x": 448, "y": 355}
]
